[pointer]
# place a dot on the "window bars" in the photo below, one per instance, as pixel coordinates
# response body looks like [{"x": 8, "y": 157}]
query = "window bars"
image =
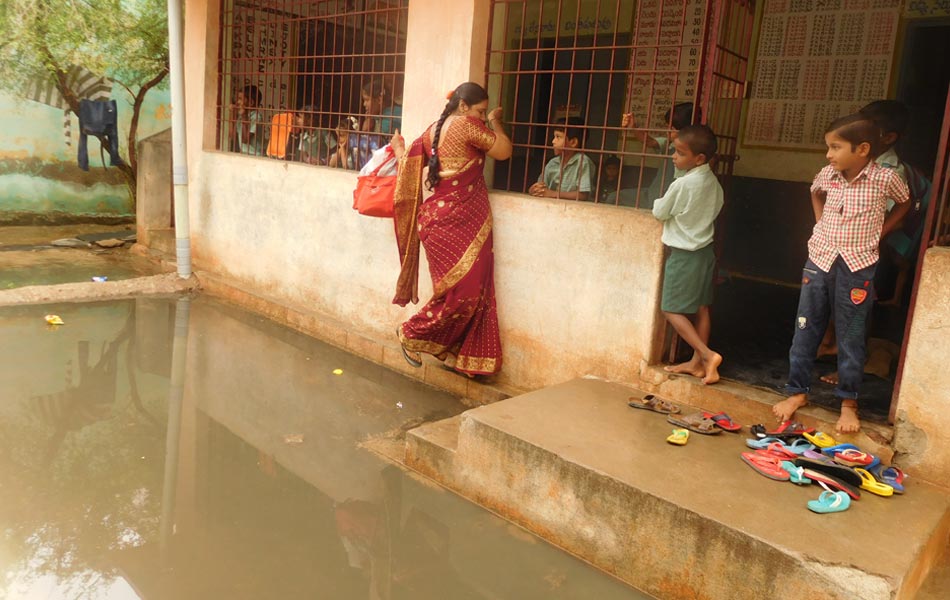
[
  {"x": 316, "y": 81},
  {"x": 666, "y": 62}
]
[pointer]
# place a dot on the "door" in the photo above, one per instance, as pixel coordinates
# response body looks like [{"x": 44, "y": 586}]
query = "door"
[{"x": 936, "y": 232}]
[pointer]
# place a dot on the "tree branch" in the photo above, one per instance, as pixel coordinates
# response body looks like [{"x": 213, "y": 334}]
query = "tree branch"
[
  {"x": 127, "y": 89},
  {"x": 136, "y": 109}
]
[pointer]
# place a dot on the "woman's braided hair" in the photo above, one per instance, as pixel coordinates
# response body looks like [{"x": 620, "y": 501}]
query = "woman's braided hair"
[{"x": 470, "y": 93}]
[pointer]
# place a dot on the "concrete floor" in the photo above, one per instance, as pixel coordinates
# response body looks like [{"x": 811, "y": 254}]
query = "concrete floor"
[
  {"x": 575, "y": 464},
  {"x": 753, "y": 327}
]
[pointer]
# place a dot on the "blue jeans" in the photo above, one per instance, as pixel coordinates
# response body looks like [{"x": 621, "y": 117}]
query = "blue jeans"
[{"x": 845, "y": 296}]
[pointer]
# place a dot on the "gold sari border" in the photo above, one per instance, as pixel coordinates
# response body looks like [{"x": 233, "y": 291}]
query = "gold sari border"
[{"x": 464, "y": 265}]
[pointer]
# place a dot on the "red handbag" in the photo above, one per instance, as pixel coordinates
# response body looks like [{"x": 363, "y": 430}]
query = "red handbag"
[{"x": 374, "y": 193}]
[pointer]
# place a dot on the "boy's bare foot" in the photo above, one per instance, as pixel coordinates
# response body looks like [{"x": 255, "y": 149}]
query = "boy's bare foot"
[
  {"x": 831, "y": 378},
  {"x": 711, "y": 366},
  {"x": 692, "y": 367},
  {"x": 785, "y": 409},
  {"x": 848, "y": 422}
]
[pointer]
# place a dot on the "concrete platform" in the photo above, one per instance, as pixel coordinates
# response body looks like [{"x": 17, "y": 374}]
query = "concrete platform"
[
  {"x": 575, "y": 465},
  {"x": 748, "y": 405}
]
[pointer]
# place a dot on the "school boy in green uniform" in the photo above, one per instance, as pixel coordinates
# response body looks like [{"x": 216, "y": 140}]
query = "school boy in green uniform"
[{"x": 688, "y": 211}]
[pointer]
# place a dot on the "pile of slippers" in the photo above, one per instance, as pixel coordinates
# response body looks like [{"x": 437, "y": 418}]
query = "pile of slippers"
[
  {"x": 801, "y": 455},
  {"x": 706, "y": 423}
]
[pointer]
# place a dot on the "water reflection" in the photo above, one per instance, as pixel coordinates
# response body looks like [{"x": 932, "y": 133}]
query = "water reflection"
[{"x": 154, "y": 451}]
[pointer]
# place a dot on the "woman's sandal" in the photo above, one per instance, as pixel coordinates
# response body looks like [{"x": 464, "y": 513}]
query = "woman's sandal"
[{"x": 405, "y": 353}]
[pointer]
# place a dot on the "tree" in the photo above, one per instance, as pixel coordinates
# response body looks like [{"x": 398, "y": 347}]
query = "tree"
[{"x": 125, "y": 40}]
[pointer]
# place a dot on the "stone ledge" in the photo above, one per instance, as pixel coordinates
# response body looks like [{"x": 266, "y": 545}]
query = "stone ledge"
[
  {"x": 331, "y": 331},
  {"x": 88, "y": 291},
  {"x": 575, "y": 465}
]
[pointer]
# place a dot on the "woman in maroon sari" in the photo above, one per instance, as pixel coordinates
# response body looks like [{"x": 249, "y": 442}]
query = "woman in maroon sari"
[{"x": 455, "y": 226}]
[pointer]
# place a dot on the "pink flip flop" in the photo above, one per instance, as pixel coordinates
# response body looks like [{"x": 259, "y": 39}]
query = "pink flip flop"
[
  {"x": 723, "y": 421},
  {"x": 768, "y": 466}
]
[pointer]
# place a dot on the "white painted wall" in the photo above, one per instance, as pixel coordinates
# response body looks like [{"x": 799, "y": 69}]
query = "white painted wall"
[{"x": 576, "y": 283}]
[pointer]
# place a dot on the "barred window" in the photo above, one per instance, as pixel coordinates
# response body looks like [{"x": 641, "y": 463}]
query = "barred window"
[
  {"x": 315, "y": 81},
  {"x": 577, "y": 66}
]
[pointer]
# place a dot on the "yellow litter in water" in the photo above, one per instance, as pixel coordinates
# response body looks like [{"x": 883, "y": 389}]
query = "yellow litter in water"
[
  {"x": 337, "y": 371},
  {"x": 54, "y": 320}
]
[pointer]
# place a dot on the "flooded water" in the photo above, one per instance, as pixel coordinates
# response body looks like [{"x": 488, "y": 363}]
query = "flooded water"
[
  {"x": 29, "y": 259},
  {"x": 182, "y": 449}
]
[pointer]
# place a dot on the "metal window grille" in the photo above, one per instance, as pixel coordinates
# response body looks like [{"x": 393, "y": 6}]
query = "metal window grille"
[
  {"x": 594, "y": 61},
  {"x": 316, "y": 81}
]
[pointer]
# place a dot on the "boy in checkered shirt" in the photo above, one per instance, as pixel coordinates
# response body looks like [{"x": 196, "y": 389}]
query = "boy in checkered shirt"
[{"x": 849, "y": 198}]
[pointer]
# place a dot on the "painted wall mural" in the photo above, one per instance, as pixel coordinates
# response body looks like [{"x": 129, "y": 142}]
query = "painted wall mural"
[{"x": 60, "y": 60}]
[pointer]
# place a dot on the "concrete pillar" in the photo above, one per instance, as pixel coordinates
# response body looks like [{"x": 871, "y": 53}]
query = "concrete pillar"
[
  {"x": 445, "y": 45},
  {"x": 153, "y": 208},
  {"x": 922, "y": 428}
]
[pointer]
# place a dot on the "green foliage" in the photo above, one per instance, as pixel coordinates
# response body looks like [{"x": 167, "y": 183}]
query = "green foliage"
[{"x": 126, "y": 40}]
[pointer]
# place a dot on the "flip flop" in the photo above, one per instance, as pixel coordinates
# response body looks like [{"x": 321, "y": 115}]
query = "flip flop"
[
  {"x": 723, "y": 421},
  {"x": 873, "y": 485},
  {"x": 820, "y": 439},
  {"x": 405, "y": 353},
  {"x": 779, "y": 450},
  {"x": 816, "y": 456},
  {"x": 651, "y": 402},
  {"x": 799, "y": 446},
  {"x": 853, "y": 458},
  {"x": 766, "y": 465},
  {"x": 678, "y": 437},
  {"x": 830, "y": 468},
  {"x": 694, "y": 422},
  {"x": 795, "y": 474},
  {"x": 787, "y": 430},
  {"x": 831, "y": 482},
  {"x": 830, "y": 450},
  {"x": 760, "y": 444},
  {"x": 891, "y": 476},
  {"x": 830, "y": 502}
]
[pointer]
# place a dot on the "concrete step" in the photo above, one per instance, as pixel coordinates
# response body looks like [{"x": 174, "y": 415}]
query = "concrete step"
[
  {"x": 937, "y": 583},
  {"x": 575, "y": 465},
  {"x": 749, "y": 405},
  {"x": 430, "y": 448}
]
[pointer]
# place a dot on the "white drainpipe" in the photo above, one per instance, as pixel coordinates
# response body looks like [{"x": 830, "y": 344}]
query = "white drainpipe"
[{"x": 176, "y": 66}]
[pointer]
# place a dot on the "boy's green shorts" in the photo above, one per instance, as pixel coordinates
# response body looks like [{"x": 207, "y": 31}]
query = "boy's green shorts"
[{"x": 688, "y": 280}]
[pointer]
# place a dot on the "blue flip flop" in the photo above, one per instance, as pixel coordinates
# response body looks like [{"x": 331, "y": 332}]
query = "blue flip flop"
[
  {"x": 830, "y": 502},
  {"x": 830, "y": 450},
  {"x": 795, "y": 474},
  {"x": 761, "y": 443},
  {"x": 891, "y": 476},
  {"x": 800, "y": 446}
]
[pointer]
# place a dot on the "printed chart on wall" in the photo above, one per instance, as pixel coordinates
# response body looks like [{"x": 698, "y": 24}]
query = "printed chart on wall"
[
  {"x": 818, "y": 60},
  {"x": 263, "y": 42},
  {"x": 666, "y": 57}
]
